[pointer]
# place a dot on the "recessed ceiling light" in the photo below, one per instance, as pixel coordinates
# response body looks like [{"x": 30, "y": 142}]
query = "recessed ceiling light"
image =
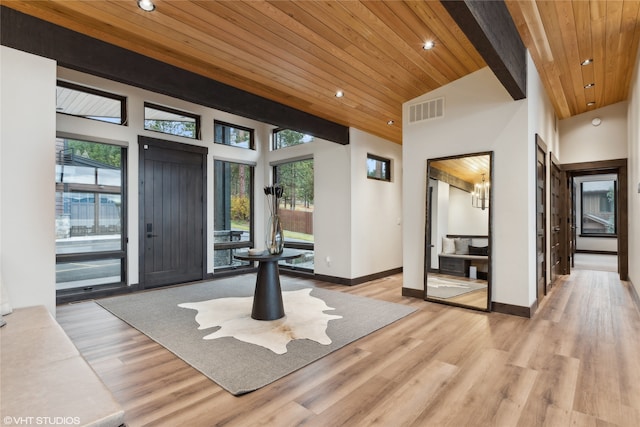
[
  {"x": 428, "y": 45},
  {"x": 589, "y": 85},
  {"x": 587, "y": 61},
  {"x": 390, "y": 122},
  {"x": 146, "y": 5},
  {"x": 591, "y": 104},
  {"x": 339, "y": 94}
]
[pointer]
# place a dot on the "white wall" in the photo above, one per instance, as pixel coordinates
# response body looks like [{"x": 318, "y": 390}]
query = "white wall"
[
  {"x": 464, "y": 218},
  {"x": 376, "y": 207},
  {"x": 543, "y": 121},
  {"x": 583, "y": 142},
  {"x": 440, "y": 220},
  {"x": 332, "y": 209},
  {"x": 481, "y": 116},
  {"x": 27, "y": 192},
  {"x": 633, "y": 152}
]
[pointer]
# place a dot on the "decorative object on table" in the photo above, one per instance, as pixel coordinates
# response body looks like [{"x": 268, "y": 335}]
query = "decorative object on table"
[
  {"x": 274, "y": 238},
  {"x": 255, "y": 251}
]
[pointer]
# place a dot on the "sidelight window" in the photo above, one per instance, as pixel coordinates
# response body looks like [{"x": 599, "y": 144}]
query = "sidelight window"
[
  {"x": 233, "y": 212},
  {"x": 90, "y": 214},
  {"x": 296, "y": 210}
]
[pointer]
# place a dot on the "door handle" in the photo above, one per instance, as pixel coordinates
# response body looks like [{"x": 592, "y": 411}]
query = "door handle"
[{"x": 149, "y": 229}]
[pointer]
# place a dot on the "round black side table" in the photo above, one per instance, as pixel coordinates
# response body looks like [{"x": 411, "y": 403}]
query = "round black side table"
[{"x": 267, "y": 298}]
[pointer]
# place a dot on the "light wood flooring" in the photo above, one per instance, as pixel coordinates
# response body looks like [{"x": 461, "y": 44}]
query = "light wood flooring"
[
  {"x": 576, "y": 363},
  {"x": 477, "y": 298},
  {"x": 600, "y": 262}
]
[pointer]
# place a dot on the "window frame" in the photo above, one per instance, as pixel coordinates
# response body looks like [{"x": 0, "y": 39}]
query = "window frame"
[
  {"x": 81, "y": 292},
  {"x": 385, "y": 161},
  {"x": 309, "y": 246},
  {"x": 196, "y": 117},
  {"x": 613, "y": 235},
  {"x": 252, "y": 145},
  {"x": 252, "y": 236},
  {"x": 278, "y": 130},
  {"x": 120, "y": 98}
]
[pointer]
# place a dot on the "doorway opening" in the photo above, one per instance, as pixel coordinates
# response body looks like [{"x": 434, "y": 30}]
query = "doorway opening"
[{"x": 598, "y": 216}]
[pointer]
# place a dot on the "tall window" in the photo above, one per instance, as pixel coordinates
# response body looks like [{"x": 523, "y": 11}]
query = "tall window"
[
  {"x": 233, "y": 212},
  {"x": 286, "y": 138},
  {"x": 598, "y": 205},
  {"x": 90, "y": 214},
  {"x": 235, "y": 136},
  {"x": 296, "y": 210}
]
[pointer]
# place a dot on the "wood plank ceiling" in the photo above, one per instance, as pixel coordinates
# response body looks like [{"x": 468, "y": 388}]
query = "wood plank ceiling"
[
  {"x": 469, "y": 169},
  {"x": 560, "y": 35},
  {"x": 299, "y": 53}
]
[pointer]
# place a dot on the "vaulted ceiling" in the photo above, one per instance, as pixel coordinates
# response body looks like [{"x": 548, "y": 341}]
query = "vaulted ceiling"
[{"x": 300, "y": 53}]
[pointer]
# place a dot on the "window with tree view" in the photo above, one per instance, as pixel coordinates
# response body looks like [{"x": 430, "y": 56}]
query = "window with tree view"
[
  {"x": 235, "y": 136},
  {"x": 233, "y": 212},
  {"x": 378, "y": 168},
  {"x": 89, "y": 209},
  {"x": 296, "y": 210},
  {"x": 170, "y": 121},
  {"x": 287, "y": 138},
  {"x": 598, "y": 204}
]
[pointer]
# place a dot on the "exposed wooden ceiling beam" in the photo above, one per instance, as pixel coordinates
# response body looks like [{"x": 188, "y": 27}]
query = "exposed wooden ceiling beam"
[{"x": 489, "y": 27}]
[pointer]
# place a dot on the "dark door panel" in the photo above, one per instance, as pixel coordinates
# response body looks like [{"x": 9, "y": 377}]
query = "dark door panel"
[
  {"x": 541, "y": 215},
  {"x": 556, "y": 221},
  {"x": 172, "y": 218}
]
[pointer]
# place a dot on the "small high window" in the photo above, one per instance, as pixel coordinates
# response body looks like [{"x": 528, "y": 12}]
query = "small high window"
[
  {"x": 173, "y": 122},
  {"x": 378, "y": 168},
  {"x": 235, "y": 136},
  {"x": 286, "y": 138},
  {"x": 88, "y": 103}
]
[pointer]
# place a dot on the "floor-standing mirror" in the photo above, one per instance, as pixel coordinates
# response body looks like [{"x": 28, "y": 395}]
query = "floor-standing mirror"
[{"x": 458, "y": 240}]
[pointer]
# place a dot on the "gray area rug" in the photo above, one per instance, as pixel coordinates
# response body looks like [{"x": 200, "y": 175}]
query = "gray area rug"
[
  {"x": 449, "y": 288},
  {"x": 237, "y": 366}
]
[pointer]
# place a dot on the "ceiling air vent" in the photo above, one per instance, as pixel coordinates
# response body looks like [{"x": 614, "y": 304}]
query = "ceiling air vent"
[{"x": 427, "y": 110}]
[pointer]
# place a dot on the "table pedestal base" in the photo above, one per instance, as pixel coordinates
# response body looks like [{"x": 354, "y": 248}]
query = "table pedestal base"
[{"x": 267, "y": 299}]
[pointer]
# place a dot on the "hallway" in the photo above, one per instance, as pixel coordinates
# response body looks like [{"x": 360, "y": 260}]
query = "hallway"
[{"x": 598, "y": 262}]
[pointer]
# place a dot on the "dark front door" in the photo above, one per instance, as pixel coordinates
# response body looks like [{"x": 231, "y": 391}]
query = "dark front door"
[{"x": 172, "y": 218}]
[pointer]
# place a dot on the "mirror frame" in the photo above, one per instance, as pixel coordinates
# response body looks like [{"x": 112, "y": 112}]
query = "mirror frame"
[{"x": 427, "y": 237}]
